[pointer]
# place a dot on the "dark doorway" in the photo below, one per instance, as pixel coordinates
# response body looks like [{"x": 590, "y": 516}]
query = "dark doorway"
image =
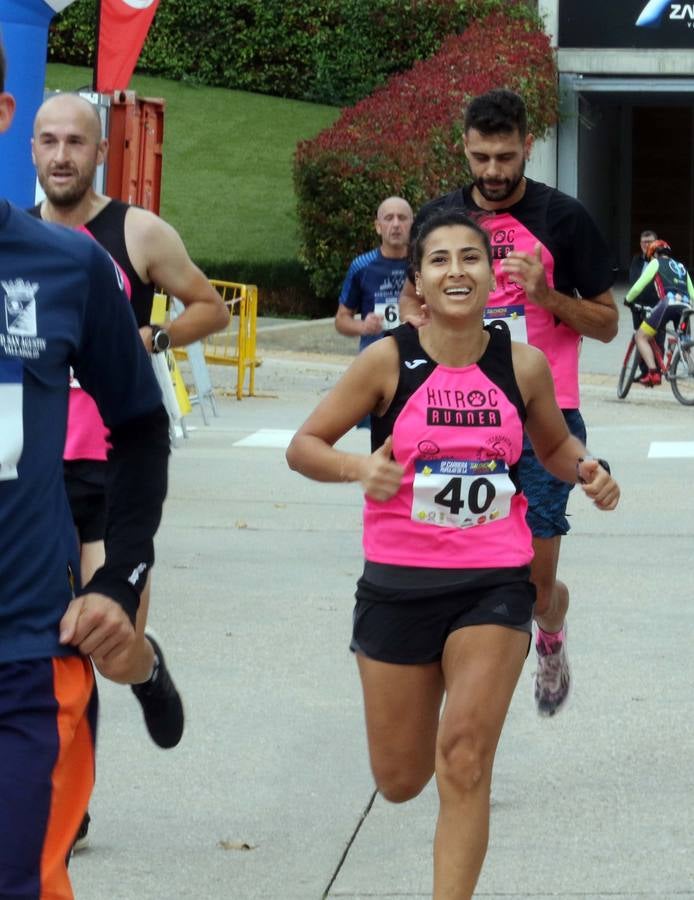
[{"x": 662, "y": 182}]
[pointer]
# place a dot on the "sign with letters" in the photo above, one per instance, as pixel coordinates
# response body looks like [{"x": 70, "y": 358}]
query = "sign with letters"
[{"x": 662, "y": 24}]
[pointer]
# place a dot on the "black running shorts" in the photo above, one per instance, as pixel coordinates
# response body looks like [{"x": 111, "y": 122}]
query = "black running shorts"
[
  {"x": 404, "y": 614},
  {"x": 85, "y": 485}
]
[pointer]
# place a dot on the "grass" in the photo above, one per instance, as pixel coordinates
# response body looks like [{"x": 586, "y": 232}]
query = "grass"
[{"x": 227, "y": 168}]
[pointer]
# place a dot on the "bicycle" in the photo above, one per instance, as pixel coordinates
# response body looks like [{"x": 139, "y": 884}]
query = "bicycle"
[{"x": 675, "y": 364}]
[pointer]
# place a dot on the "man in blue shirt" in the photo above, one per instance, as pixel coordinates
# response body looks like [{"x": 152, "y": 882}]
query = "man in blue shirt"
[
  {"x": 62, "y": 306},
  {"x": 374, "y": 279}
]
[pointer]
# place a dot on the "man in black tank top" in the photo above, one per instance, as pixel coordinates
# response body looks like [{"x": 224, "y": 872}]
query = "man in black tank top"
[{"x": 67, "y": 147}]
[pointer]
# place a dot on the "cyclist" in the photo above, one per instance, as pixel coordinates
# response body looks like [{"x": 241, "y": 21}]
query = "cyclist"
[
  {"x": 675, "y": 292},
  {"x": 649, "y": 297}
]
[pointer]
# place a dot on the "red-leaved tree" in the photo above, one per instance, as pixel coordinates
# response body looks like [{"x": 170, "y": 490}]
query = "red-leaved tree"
[{"x": 406, "y": 138}]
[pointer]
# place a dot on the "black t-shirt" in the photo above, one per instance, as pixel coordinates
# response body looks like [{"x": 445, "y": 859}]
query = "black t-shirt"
[
  {"x": 582, "y": 263},
  {"x": 575, "y": 256}
]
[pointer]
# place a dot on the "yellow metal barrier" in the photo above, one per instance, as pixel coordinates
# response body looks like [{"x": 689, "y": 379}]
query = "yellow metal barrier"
[{"x": 235, "y": 346}]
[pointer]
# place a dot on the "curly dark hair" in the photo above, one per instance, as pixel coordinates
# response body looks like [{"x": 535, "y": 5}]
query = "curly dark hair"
[{"x": 498, "y": 111}]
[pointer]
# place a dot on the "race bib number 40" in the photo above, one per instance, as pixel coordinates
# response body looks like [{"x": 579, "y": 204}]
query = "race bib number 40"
[
  {"x": 455, "y": 493},
  {"x": 11, "y": 417},
  {"x": 388, "y": 311}
]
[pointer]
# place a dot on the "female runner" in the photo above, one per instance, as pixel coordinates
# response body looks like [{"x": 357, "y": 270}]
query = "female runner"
[{"x": 444, "y": 605}]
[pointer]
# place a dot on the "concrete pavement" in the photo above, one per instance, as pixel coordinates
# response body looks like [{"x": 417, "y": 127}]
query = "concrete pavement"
[{"x": 266, "y": 795}]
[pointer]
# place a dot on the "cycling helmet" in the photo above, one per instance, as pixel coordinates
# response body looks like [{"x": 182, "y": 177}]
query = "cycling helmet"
[{"x": 658, "y": 247}]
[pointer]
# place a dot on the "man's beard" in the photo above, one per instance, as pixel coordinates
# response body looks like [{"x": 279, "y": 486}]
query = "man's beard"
[
  {"x": 71, "y": 194},
  {"x": 502, "y": 189}
]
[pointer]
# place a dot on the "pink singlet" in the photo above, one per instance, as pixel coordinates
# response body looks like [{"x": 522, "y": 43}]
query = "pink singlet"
[
  {"x": 458, "y": 433},
  {"x": 87, "y": 436}
]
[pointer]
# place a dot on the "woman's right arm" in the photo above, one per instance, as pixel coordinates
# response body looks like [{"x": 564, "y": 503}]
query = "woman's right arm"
[{"x": 367, "y": 386}]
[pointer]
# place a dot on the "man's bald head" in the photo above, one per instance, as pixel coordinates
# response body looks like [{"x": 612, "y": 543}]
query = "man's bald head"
[
  {"x": 393, "y": 224},
  {"x": 70, "y": 107},
  {"x": 66, "y": 148},
  {"x": 397, "y": 204}
]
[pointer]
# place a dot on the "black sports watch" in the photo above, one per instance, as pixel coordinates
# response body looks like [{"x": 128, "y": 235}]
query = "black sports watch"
[
  {"x": 603, "y": 462},
  {"x": 161, "y": 339}
]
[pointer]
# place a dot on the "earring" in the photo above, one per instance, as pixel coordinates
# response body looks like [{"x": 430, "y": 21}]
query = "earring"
[{"x": 418, "y": 292}]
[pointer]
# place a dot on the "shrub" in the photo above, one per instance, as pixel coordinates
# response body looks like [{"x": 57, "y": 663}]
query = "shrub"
[
  {"x": 283, "y": 285},
  {"x": 406, "y": 139},
  {"x": 329, "y": 51}
]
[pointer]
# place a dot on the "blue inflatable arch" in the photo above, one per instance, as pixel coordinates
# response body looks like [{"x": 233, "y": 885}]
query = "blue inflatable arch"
[{"x": 24, "y": 28}]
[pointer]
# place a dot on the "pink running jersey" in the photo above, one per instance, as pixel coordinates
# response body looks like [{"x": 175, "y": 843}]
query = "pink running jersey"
[
  {"x": 577, "y": 264},
  {"x": 87, "y": 436},
  {"x": 458, "y": 433},
  {"x": 535, "y": 325}
]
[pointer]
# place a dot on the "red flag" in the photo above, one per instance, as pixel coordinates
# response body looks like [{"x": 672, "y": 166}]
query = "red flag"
[{"x": 123, "y": 27}]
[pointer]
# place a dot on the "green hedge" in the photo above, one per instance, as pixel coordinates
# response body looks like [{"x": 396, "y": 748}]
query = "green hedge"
[
  {"x": 328, "y": 51},
  {"x": 406, "y": 138},
  {"x": 284, "y": 288}
]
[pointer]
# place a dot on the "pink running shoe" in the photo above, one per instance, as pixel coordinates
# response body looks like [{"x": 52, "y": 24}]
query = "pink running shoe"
[{"x": 552, "y": 676}]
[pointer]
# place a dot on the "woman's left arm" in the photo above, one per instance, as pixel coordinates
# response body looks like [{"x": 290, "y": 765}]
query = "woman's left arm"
[{"x": 560, "y": 452}]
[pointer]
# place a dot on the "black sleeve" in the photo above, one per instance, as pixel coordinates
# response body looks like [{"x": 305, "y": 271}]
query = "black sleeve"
[
  {"x": 423, "y": 213},
  {"x": 112, "y": 365},
  {"x": 583, "y": 263},
  {"x": 136, "y": 481}
]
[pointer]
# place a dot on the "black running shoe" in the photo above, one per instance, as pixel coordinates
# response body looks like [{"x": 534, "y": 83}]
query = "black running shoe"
[{"x": 161, "y": 702}]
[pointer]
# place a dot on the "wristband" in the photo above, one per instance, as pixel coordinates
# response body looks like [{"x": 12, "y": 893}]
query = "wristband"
[{"x": 603, "y": 462}]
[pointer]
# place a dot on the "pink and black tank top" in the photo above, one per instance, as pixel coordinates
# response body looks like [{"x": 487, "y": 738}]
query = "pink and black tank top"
[
  {"x": 108, "y": 228},
  {"x": 87, "y": 436},
  {"x": 458, "y": 433}
]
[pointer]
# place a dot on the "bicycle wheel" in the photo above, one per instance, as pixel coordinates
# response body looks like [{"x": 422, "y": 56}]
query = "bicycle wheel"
[
  {"x": 681, "y": 375},
  {"x": 632, "y": 359}
]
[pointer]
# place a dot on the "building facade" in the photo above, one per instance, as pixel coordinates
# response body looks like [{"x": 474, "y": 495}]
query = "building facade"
[{"x": 625, "y": 140}]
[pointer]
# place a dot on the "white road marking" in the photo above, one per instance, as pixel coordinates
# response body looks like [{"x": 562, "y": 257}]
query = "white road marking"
[
  {"x": 671, "y": 449},
  {"x": 267, "y": 437}
]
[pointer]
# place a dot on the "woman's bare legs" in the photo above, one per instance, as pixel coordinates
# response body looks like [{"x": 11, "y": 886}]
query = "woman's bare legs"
[
  {"x": 402, "y": 705},
  {"x": 481, "y": 665}
]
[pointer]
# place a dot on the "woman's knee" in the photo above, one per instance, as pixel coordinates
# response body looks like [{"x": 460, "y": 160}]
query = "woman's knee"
[
  {"x": 398, "y": 784},
  {"x": 463, "y": 758}
]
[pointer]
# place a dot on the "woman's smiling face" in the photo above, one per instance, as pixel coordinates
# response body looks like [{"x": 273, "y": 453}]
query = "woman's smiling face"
[{"x": 455, "y": 274}]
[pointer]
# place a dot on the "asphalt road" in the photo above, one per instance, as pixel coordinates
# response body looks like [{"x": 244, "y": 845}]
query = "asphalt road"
[{"x": 266, "y": 796}]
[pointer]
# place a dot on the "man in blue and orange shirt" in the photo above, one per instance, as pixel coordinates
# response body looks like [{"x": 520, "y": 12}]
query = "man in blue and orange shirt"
[{"x": 63, "y": 307}]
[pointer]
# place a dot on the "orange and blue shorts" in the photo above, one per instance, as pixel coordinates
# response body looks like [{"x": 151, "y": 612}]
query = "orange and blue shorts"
[{"x": 48, "y": 713}]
